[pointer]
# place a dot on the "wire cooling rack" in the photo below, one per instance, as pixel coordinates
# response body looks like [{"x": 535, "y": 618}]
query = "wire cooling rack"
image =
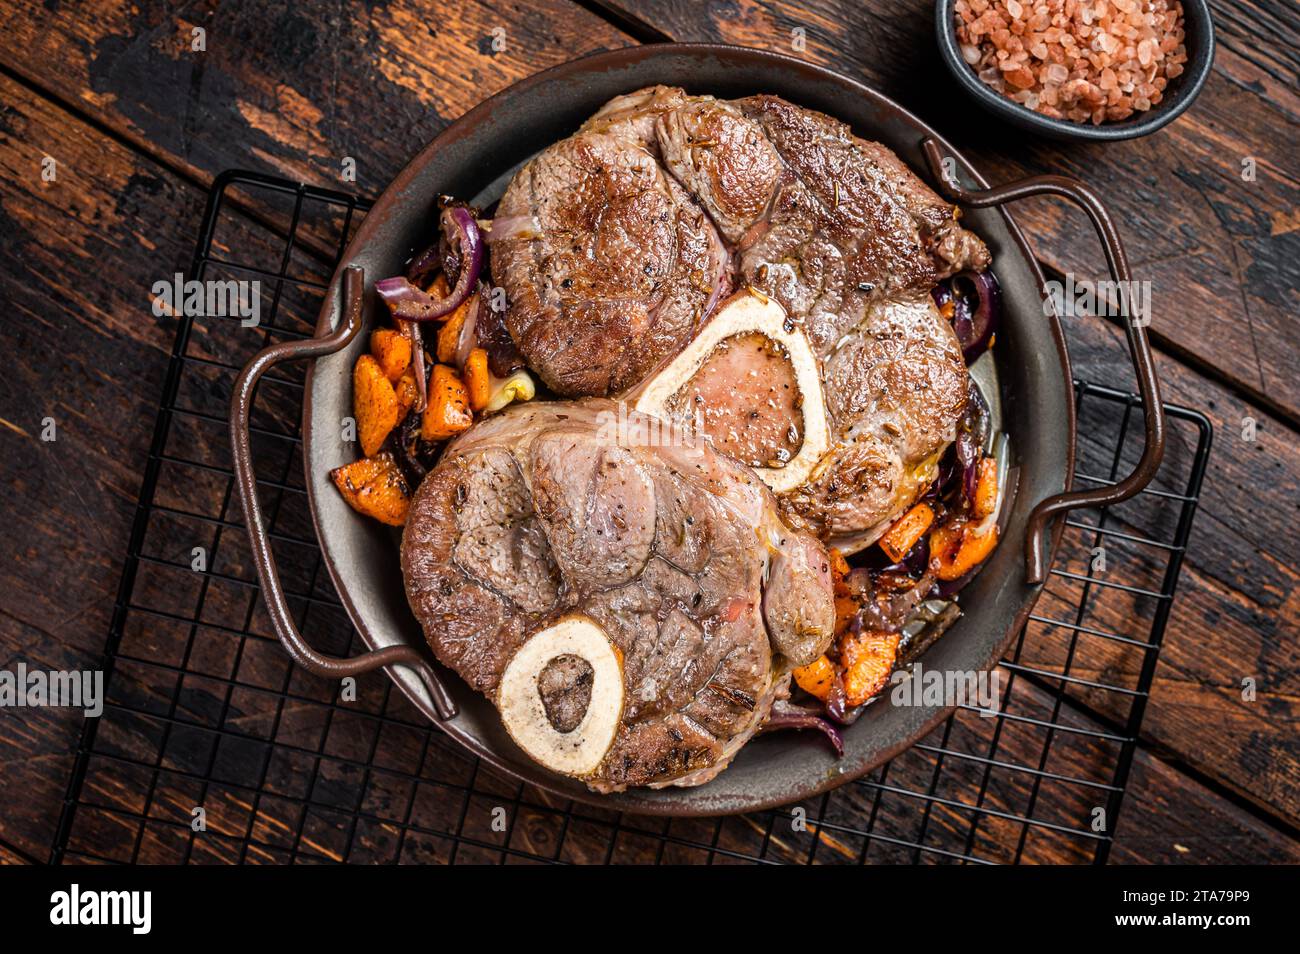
[{"x": 213, "y": 747}]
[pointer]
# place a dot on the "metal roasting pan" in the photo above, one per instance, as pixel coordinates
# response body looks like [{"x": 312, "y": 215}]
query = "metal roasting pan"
[{"x": 474, "y": 158}]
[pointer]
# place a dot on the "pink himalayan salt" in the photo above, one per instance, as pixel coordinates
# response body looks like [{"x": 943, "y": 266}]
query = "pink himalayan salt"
[{"x": 1084, "y": 61}]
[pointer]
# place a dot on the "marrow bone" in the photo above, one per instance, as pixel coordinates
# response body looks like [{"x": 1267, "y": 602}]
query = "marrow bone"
[
  {"x": 750, "y": 314},
  {"x": 579, "y": 751}
]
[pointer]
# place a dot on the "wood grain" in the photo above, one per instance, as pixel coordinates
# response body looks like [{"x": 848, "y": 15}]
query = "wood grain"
[
  {"x": 92, "y": 360},
  {"x": 1237, "y": 613},
  {"x": 1222, "y": 254},
  {"x": 292, "y": 89}
]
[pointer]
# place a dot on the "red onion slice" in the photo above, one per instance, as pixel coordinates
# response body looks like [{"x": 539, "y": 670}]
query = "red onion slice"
[
  {"x": 976, "y": 309},
  {"x": 978, "y": 313},
  {"x": 422, "y": 265},
  {"x": 468, "y": 331},
  {"x": 785, "y": 715},
  {"x": 505, "y": 227},
  {"x": 412, "y": 331},
  {"x": 409, "y": 303}
]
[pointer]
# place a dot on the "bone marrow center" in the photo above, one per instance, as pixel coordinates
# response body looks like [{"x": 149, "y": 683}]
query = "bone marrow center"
[
  {"x": 750, "y": 382},
  {"x": 565, "y": 687},
  {"x": 745, "y": 396}
]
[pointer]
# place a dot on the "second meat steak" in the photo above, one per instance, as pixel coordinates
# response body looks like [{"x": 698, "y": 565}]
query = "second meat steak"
[{"x": 616, "y": 288}]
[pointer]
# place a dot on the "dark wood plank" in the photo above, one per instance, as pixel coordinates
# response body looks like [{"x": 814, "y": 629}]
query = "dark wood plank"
[
  {"x": 1222, "y": 255},
  {"x": 292, "y": 89},
  {"x": 92, "y": 358},
  {"x": 78, "y": 258},
  {"x": 1165, "y": 822},
  {"x": 1237, "y": 613}
]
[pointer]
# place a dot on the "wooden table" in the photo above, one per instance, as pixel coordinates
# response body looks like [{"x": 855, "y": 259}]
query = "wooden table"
[{"x": 138, "y": 122}]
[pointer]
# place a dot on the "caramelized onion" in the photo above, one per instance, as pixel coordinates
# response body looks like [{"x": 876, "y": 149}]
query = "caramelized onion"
[
  {"x": 976, "y": 302},
  {"x": 408, "y": 302},
  {"x": 786, "y": 715}
]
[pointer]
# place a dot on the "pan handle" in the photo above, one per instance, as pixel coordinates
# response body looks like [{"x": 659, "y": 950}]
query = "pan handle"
[
  {"x": 1138, "y": 346},
  {"x": 331, "y": 667}
]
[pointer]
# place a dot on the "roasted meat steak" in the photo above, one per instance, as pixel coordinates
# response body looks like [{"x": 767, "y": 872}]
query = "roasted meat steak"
[
  {"x": 619, "y": 245},
  {"x": 628, "y": 597},
  {"x": 607, "y": 263}
]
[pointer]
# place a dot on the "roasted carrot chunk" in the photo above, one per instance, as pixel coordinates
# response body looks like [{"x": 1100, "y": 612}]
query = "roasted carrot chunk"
[
  {"x": 956, "y": 549},
  {"x": 846, "y": 607},
  {"x": 816, "y": 678},
  {"x": 449, "y": 336},
  {"x": 839, "y": 570},
  {"x": 478, "y": 380},
  {"x": 868, "y": 659},
  {"x": 407, "y": 391},
  {"x": 374, "y": 404},
  {"x": 448, "y": 412},
  {"x": 392, "y": 350},
  {"x": 375, "y": 487},
  {"x": 986, "y": 490},
  {"x": 910, "y": 527},
  {"x": 449, "y": 333}
]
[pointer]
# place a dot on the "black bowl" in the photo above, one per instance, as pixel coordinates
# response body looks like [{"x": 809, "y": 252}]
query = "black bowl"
[{"x": 1178, "y": 96}]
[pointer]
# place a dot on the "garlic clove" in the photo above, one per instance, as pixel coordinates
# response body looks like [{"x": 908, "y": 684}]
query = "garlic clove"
[{"x": 517, "y": 387}]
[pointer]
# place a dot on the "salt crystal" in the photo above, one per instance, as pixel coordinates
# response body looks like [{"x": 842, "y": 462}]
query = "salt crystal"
[{"x": 1081, "y": 60}]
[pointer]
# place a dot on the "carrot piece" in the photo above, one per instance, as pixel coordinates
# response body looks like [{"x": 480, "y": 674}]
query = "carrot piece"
[
  {"x": 374, "y": 404},
  {"x": 846, "y": 604},
  {"x": 846, "y": 607},
  {"x": 375, "y": 487},
  {"x": 817, "y": 677},
  {"x": 478, "y": 380},
  {"x": 839, "y": 570},
  {"x": 392, "y": 350},
  {"x": 449, "y": 333},
  {"x": 868, "y": 659},
  {"x": 986, "y": 489},
  {"x": 449, "y": 336},
  {"x": 448, "y": 411},
  {"x": 907, "y": 529},
  {"x": 407, "y": 391},
  {"x": 956, "y": 549}
]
